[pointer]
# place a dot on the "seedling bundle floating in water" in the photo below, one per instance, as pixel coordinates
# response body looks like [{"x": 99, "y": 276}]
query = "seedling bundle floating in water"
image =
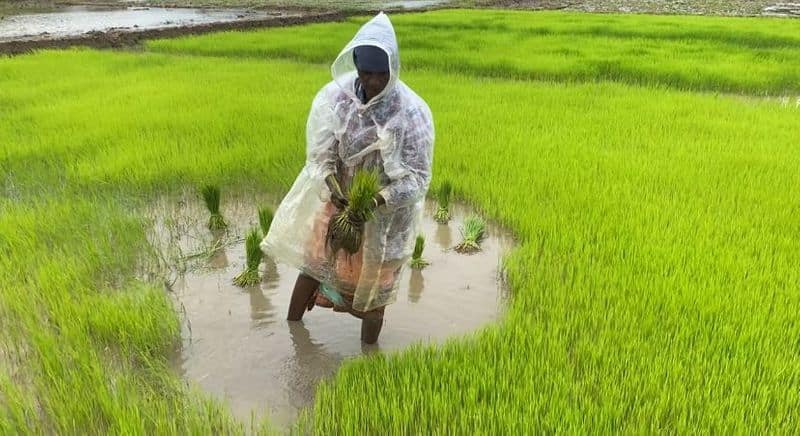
[
  {"x": 417, "y": 262},
  {"x": 250, "y": 275},
  {"x": 211, "y": 197},
  {"x": 346, "y": 227},
  {"x": 442, "y": 215},
  {"x": 473, "y": 231}
]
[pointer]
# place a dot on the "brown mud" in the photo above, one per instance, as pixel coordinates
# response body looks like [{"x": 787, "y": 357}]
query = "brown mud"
[{"x": 237, "y": 344}]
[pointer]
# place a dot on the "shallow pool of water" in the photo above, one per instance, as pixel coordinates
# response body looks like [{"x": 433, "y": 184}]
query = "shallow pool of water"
[
  {"x": 77, "y": 20},
  {"x": 238, "y": 344}
]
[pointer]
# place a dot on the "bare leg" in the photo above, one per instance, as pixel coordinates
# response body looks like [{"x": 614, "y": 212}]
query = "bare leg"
[
  {"x": 302, "y": 297},
  {"x": 370, "y": 329},
  {"x": 371, "y": 324}
]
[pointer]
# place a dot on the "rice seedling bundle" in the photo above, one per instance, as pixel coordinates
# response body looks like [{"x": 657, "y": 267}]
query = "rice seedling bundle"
[
  {"x": 346, "y": 227},
  {"x": 417, "y": 262},
  {"x": 211, "y": 196},
  {"x": 442, "y": 214},
  {"x": 254, "y": 255},
  {"x": 472, "y": 232}
]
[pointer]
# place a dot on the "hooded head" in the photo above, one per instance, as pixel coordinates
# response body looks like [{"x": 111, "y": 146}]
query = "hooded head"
[{"x": 371, "y": 54}]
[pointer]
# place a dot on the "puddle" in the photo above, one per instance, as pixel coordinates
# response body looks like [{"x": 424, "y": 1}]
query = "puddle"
[
  {"x": 71, "y": 21},
  {"x": 784, "y": 101},
  {"x": 237, "y": 343},
  {"x": 413, "y": 4},
  {"x": 782, "y": 10},
  {"x": 77, "y": 20}
]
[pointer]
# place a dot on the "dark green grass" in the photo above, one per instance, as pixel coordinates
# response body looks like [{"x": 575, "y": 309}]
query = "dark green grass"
[{"x": 747, "y": 55}]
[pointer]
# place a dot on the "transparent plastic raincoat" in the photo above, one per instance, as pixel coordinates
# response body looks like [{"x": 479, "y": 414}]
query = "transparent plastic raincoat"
[{"x": 392, "y": 134}]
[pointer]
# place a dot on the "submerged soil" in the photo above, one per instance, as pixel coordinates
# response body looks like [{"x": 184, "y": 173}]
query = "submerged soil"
[{"x": 237, "y": 343}]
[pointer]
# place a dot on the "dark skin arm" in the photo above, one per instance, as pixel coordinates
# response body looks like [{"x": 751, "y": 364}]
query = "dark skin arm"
[{"x": 337, "y": 195}]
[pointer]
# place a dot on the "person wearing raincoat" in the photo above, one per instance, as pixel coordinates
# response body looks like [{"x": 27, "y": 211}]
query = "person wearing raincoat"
[{"x": 365, "y": 119}]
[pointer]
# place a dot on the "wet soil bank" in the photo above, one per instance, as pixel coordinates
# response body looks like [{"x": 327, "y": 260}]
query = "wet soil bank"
[
  {"x": 126, "y": 38},
  {"x": 237, "y": 344},
  {"x": 770, "y": 8}
]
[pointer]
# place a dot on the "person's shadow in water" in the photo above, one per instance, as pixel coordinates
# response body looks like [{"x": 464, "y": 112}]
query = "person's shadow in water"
[{"x": 311, "y": 363}]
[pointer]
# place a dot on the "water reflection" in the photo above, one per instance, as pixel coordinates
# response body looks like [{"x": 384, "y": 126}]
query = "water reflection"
[
  {"x": 309, "y": 363},
  {"x": 444, "y": 236},
  {"x": 218, "y": 258},
  {"x": 416, "y": 284},
  {"x": 260, "y": 307},
  {"x": 271, "y": 279}
]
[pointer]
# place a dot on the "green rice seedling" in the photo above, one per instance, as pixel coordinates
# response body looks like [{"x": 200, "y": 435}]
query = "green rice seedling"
[
  {"x": 621, "y": 228},
  {"x": 442, "y": 215},
  {"x": 265, "y": 215},
  {"x": 250, "y": 275},
  {"x": 211, "y": 197},
  {"x": 417, "y": 262},
  {"x": 345, "y": 229},
  {"x": 472, "y": 232}
]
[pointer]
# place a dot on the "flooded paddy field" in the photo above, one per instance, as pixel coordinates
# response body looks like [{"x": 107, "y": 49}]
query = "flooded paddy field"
[
  {"x": 77, "y": 20},
  {"x": 238, "y": 344}
]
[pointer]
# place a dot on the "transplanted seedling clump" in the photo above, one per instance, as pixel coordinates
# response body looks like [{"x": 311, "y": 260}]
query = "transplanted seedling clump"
[
  {"x": 211, "y": 197},
  {"x": 417, "y": 262},
  {"x": 442, "y": 215},
  {"x": 346, "y": 228},
  {"x": 473, "y": 231},
  {"x": 254, "y": 255}
]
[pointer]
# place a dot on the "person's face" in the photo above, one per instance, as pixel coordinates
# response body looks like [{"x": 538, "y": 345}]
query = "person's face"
[{"x": 373, "y": 83}]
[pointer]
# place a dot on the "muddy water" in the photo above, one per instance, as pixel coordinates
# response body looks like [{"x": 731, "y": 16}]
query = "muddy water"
[
  {"x": 76, "y": 20},
  {"x": 237, "y": 342}
]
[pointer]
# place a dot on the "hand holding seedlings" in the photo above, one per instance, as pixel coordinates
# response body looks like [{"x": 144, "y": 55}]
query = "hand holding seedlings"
[
  {"x": 211, "y": 197},
  {"x": 345, "y": 230},
  {"x": 472, "y": 232},
  {"x": 337, "y": 195}
]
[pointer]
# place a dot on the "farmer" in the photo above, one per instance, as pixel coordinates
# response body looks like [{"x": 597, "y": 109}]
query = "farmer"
[{"x": 365, "y": 119}]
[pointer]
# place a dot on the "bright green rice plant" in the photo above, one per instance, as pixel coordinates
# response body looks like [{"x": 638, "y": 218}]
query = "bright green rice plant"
[
  {"x": 265, "y": 215},
  {"x": 211, "y": 197},
  {"x": 442, "y": 215},
  {"x": 250, "y": 275},
  {"x": 345, "y": 230},
  {"x": 417, "y": 262},
  {"x": 472, "y": 232}
]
